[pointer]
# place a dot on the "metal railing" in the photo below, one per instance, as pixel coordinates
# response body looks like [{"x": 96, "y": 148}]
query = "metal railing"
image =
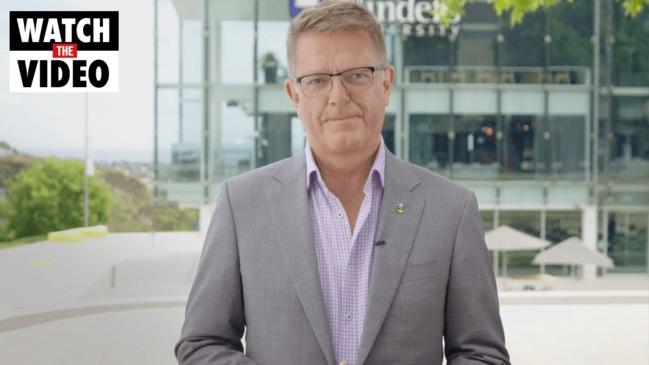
[{"x": 556, "y": 75}]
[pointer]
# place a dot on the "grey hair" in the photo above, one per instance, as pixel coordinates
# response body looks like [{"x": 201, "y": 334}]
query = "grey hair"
[{"x": 335, "y": 16}]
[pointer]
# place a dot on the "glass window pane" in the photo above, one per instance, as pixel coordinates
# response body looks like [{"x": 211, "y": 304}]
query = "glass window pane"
[
  {"x": 167, "y": 42},
  {"x": 474, "y": 147},
  {"x": 429, "y": 143},
  {"x": 192, "y": 53},
  {"x": 627, "y": 241},
  {"x": 570, "y": 27},
  {"x": 273, "y": 66},
  {"x": 631, "y": 49},
  {"x": 237, "y": 39},
  {"x": 628, "y": 147},
  {"x": 234, "y": 146},
  {"x": 520, "y": 262},
  {"x": 388, "y": 132},
  {"x": 275, "y": 138},
  {"x": 523, "y": 44},
  {"x": 521, "y": 151},
  {"x": 567, "y": 147}
]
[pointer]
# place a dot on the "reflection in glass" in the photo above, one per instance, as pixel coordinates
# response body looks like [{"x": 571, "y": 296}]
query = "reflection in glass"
[
  {"x": 570, "y": 26},
  {"x": 520, "y": 262},
  {"x": 523, "y": 44},
  {"x": 629, "y": 150},
  {"x": 521, "y": 157},
  {"x": 627, "y": 241},
  {"x": 274, "y": 138},
  {"x": 233, "y": 151},
  {"x": 476, "y": 48},
  {"x": 630, "y": 50},
  {"x": 474, "y": 147},
  {"x": 167, "y": 42},
  {"x": 388, "y": 132},
  {"x": 429, "y": 143},
  {"x": 561, "y": 225},
  {"x": 273, "y": 68},
  {"x": 567, "y": 147}
]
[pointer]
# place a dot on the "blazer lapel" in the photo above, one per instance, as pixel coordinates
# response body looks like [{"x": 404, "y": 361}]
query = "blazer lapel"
[
  {"x": 397, "y": 227},
  {"x": 288, "y": 203}
]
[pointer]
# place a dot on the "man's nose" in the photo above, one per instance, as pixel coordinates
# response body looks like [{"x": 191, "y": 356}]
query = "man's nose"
[{"x": 338, "y": 93}]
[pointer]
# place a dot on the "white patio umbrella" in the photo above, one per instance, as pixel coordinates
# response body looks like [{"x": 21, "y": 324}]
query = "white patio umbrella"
[
  {"x": 505, "y": 238},
  {"x": 572, "y": 251}
]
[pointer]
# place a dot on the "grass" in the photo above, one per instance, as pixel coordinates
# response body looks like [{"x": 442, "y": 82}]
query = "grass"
[{"x": 22, "y": 241}]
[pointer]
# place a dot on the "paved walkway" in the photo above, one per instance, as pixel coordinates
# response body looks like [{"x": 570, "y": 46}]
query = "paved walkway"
[
  {"x": 536, "y": 335},
  {"x": 120, "y": 300}
]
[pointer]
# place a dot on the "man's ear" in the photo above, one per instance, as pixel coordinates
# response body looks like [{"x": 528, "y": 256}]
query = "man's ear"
[
  {"x": 291, "y": 92},
  {"x": 388, "y": 82}
]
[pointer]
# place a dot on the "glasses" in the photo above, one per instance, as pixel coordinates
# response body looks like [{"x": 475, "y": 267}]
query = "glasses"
[{"x": 354, "y": 79}]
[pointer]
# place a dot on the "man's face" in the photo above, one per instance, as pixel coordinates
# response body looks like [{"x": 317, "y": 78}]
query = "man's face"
[{"x": 342, "y": 121}]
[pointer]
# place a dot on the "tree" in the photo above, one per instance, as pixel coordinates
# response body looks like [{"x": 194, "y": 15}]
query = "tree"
[
  {"x": 517, "y": 9},
  {"x": 48, "y": 196}
]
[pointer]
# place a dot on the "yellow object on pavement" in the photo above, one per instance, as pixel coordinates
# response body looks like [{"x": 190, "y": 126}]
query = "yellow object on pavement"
[
  {"x": 77, "y": 234},
  {"x": 96, "y": 231}
]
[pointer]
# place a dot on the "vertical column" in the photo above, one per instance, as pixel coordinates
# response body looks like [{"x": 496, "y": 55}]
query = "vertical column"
[
  {"x": 401, "y": 126},
  {"x": 205, "y": 160},
  {"x": 604, "y": 223},
  {"x": 451, "y": 107},
  {"x": 545, "y": 141},
  {"x": 155, "y": 99},
  {"x": 257, "y": 123},
  {"x": 543, "y": 231},
  {"x": 500, "y": 38},
  {"x": 589, "y": 236},
  {"x": 496, "y": 253},
  {"x": 216, "y": 98},
  {"x": 647, "y": 250},
  {"x": 181, "y": 85},
  {"x": 595, "y": 98}
]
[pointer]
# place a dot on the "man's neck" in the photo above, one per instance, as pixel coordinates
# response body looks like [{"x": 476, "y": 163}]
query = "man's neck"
[{"x": 347, "y": 172}]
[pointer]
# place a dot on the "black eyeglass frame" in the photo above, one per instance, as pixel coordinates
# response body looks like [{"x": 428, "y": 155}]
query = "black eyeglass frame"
[{"x": 373, "y": 69}]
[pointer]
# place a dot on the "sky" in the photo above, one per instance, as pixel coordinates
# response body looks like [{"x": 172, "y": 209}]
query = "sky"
[{"x": 118, "y": 121}]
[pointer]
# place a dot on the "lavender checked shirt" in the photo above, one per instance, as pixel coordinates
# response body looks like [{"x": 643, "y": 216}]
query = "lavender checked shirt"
[{"x": 344, "y": 257}]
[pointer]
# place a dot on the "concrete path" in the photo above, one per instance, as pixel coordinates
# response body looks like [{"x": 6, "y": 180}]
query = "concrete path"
[{"x": 120, "y": 300}]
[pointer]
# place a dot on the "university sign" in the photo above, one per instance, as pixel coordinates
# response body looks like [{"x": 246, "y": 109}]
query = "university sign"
[{"x": 407, "y": 17}]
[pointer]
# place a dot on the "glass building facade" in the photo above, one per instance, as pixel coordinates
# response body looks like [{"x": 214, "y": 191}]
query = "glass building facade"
[{"x": 547, "y": 122}]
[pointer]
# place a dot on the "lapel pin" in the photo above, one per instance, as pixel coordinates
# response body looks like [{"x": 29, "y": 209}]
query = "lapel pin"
[{"x": 401, "y": 208}]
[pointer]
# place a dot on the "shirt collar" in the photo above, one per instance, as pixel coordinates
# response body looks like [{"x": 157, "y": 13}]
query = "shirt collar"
[{"x": 378, "y": 167}]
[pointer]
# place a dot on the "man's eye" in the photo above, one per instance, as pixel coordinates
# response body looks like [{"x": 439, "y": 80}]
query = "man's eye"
[
  {"x": 316, "y": 81},
  {"x": 358, "y": 76}
]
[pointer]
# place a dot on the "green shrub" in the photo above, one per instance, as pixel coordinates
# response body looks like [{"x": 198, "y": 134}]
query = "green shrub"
[{"x": 48, "y": 196}]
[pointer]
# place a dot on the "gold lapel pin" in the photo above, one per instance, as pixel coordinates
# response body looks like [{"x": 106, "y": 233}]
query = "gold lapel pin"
[{"x": 401, "y": 208}]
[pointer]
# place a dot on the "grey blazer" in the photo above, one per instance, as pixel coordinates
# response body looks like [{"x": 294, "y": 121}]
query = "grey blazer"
[{"x": 432, "y": 278}]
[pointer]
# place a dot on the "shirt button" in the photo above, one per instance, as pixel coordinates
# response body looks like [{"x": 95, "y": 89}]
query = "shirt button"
[
  {"x": 339, "y": 214},
  {"x": 348, "y": 316}
]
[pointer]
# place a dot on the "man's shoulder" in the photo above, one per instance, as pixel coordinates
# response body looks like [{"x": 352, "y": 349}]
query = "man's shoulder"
[
  {"x": 435, "y": 185},
  {"x": 261, "y": 176}
]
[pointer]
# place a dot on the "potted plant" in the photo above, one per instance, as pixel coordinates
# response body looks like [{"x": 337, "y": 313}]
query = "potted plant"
[{"x": 269, "y": 64}]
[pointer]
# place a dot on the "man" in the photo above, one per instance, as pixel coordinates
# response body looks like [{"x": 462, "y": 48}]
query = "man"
[{"x": 344, "y": 255}]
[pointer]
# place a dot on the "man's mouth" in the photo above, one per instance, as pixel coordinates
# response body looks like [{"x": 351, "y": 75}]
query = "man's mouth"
[{"x": 342, "y": 118}]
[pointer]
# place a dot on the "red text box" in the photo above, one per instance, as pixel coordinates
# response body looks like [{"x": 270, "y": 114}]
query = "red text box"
[{"x": 64, "y": 50}]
